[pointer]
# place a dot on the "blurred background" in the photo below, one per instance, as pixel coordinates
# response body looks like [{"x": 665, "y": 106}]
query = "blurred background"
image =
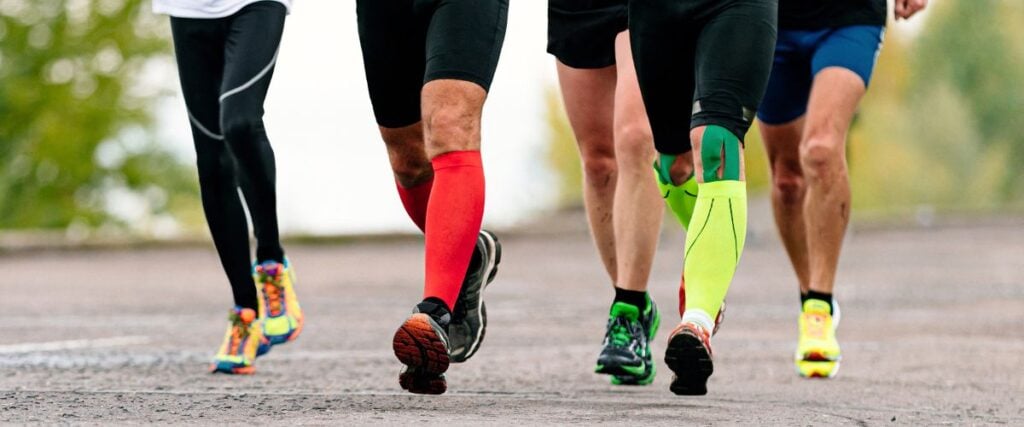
[{"x": 95, "y": 143}]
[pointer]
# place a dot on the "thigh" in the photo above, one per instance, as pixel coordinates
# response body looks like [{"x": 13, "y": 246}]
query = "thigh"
[
  {"x": 589, "y": 96},
  {"x": 254, "y": 37},
  {"x": 464, "y": 40},
  {"x": 662, "y": 42},
  {"x": 789, "y": 85},
  {"x": 199, "y": 51},
  {"x": 251, "y": 47},
  {"x": 582, "y": 34},
  {"x": 854, "y": 48},
  {"x": 393, "y": 39},
  {"x": 734, "y": 58},
  {"x": 630, "y": 115}
]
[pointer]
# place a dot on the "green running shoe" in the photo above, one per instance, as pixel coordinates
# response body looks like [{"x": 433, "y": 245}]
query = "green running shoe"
[{"x": 626, "y": 355}]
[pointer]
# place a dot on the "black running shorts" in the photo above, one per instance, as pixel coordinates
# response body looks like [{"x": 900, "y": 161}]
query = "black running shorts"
[
  {"x": 705, "y": 60},
  {"x": 581, "y": 33},
  {"x": 408, "y": 43}
]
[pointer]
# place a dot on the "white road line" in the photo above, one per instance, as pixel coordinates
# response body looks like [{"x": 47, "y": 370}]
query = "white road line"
[{"x": 72, "y": 344}]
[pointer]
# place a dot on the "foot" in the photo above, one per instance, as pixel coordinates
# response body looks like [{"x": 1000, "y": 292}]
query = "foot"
[
  {"x": 469, "y": 317},
  {"x": 241, "y": 345},
  {"x": 626, "y": 351},
  {"x": 689, "y": 357},
  {"x": 281, "y": 314},
  {"x": 421, "y": 344},
  {"x": 650, "y": 319},
  {"x": 817, "y": 351}
]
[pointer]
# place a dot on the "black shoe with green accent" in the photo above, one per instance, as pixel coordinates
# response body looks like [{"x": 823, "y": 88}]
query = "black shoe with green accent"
[
  {"x": 649, "y": 320},
  {"x": 626, "y": 353}
]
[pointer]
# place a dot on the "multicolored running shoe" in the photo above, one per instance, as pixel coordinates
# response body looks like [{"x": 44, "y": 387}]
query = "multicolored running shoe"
[
  {"x": 280, "y": 314},
  {"x": 689, "y": 357},
  {"x": 817, "y": 351},
  {"x": 242, "y": 343},
  {"x": 626, "y": 352},
  {"x": 421, "y": 344}
]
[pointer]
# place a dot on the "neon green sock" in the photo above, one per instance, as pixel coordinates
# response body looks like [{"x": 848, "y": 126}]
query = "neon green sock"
[
  {"x": 680, "y": 199},
  {"x": 714, "y": 245}
]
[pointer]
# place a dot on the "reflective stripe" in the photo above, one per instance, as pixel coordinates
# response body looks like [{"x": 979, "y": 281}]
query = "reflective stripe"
[
  {"x": 253, "y": 81},
  {"x": 202, "y": 128}
]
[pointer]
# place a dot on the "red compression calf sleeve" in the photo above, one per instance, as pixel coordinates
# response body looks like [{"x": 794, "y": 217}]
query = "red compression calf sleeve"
[
  {"x": 455, "y": 212},
  {"x": 415, "y": 199}
]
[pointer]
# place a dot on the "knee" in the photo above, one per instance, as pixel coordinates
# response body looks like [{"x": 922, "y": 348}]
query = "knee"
[
  {"x": 634, "y": 147},
  {"x": 240, "y": 130},
  {"x": 408, "y": 159},
  {"x": 822, "y": 157},
  {"x": 598, "y": 165},
  {"x": 452, "y": 127},
  {"x": 787, "y": 181}
]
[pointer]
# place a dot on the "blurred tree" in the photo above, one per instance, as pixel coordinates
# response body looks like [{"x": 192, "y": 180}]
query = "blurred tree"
[
  {"x": 76, "y": 133},
  {"x": 971, "y": 55}
]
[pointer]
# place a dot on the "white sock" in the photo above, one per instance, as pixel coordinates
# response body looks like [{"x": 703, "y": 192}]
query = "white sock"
[{"x": 699, "y": 317}]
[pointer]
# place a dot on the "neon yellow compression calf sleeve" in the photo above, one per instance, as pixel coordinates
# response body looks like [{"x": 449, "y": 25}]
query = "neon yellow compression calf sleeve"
[
  {"x": 714, "y": 241},
  {"x": 679, "y": 198}
]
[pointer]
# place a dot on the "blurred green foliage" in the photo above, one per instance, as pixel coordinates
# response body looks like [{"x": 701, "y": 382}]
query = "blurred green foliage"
[
  {"x": 939, "y": 128},
  {"x": 76, "y": 136}
]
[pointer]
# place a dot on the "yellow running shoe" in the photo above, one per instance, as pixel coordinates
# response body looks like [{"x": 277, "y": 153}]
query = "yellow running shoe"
[
  {"x": 281, "y": 314},
  {"x": 241, "y": 343},
  {"x": 817, "y": 351}
]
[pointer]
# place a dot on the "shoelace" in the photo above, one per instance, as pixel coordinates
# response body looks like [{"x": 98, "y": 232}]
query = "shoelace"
[
  {"x": 622, "y": 331},
  {"x": 239, "y": 332},
  {"x": 272, "y": 289}
]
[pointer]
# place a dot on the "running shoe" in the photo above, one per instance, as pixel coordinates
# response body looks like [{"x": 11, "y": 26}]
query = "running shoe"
[
  {"x": 241, "y": 343},
  {"x": 689, "y": 357},
  {"x": 817, "y": 351},
  {"x": 626, "y": 350},
  {"x": 469, "y": 317},
  {"x": 421, "y": 344},
  {"x": 281, "y": 314},
  {"x": 649, "y": 321}
]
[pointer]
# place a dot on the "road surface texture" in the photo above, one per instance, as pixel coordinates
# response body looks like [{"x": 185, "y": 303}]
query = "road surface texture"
[{"x": 932, "y": 333}]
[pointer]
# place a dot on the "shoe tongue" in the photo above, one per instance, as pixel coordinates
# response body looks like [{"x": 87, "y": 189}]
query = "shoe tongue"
[
  {"x": 817, "y": 306},
  {"x": 629, "y": 311}
]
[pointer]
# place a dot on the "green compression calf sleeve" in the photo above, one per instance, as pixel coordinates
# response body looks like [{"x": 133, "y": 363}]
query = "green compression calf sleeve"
[
  {"x": 680, "y": 198},
  {"x": 714, "y": 244}
]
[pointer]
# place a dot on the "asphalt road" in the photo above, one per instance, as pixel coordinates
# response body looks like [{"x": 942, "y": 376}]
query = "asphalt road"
[{"x": 932, "y": 333}]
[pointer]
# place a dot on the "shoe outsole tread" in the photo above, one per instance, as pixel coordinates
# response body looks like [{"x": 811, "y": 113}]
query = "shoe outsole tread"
[
  {"x": 418, "y": 346},
  {"x": 691, "y": 362}
]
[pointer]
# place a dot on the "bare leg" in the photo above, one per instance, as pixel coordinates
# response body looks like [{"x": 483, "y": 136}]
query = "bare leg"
[
  {"x": 638, "y": 207},
  {"x": 589, "y": 97},
  {"x": 834, "y": 99},
  {"x": 788, "y": 192}
]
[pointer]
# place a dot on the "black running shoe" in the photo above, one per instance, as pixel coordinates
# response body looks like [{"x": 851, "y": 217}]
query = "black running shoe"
[
  {"x": 649, "y": 320},
  {"x": 689, "y": 357},
  {"x": 421, "y": 343},
  {"x": 626, "y": 351},
  {"x": 469, "y": 317}
]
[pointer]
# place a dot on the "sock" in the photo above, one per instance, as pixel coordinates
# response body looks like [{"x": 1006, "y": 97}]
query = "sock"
[
  {"x": 820, "y": 296},
  {"x": 713, "y": 246},
  {"x": 637, "y": 299},
  {"x": 455, "y": 213},
  {"x": 415, "y": 199}
]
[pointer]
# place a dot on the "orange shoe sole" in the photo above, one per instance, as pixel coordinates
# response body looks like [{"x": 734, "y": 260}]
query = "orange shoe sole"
[{"x": 419, "y": 347}]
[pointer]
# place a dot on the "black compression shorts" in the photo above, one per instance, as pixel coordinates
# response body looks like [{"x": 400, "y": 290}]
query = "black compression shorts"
[
  {"x": 408, "y": 43},
  {"x": 706, "y": 60},
  {"x": 581, "y": 33}
]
